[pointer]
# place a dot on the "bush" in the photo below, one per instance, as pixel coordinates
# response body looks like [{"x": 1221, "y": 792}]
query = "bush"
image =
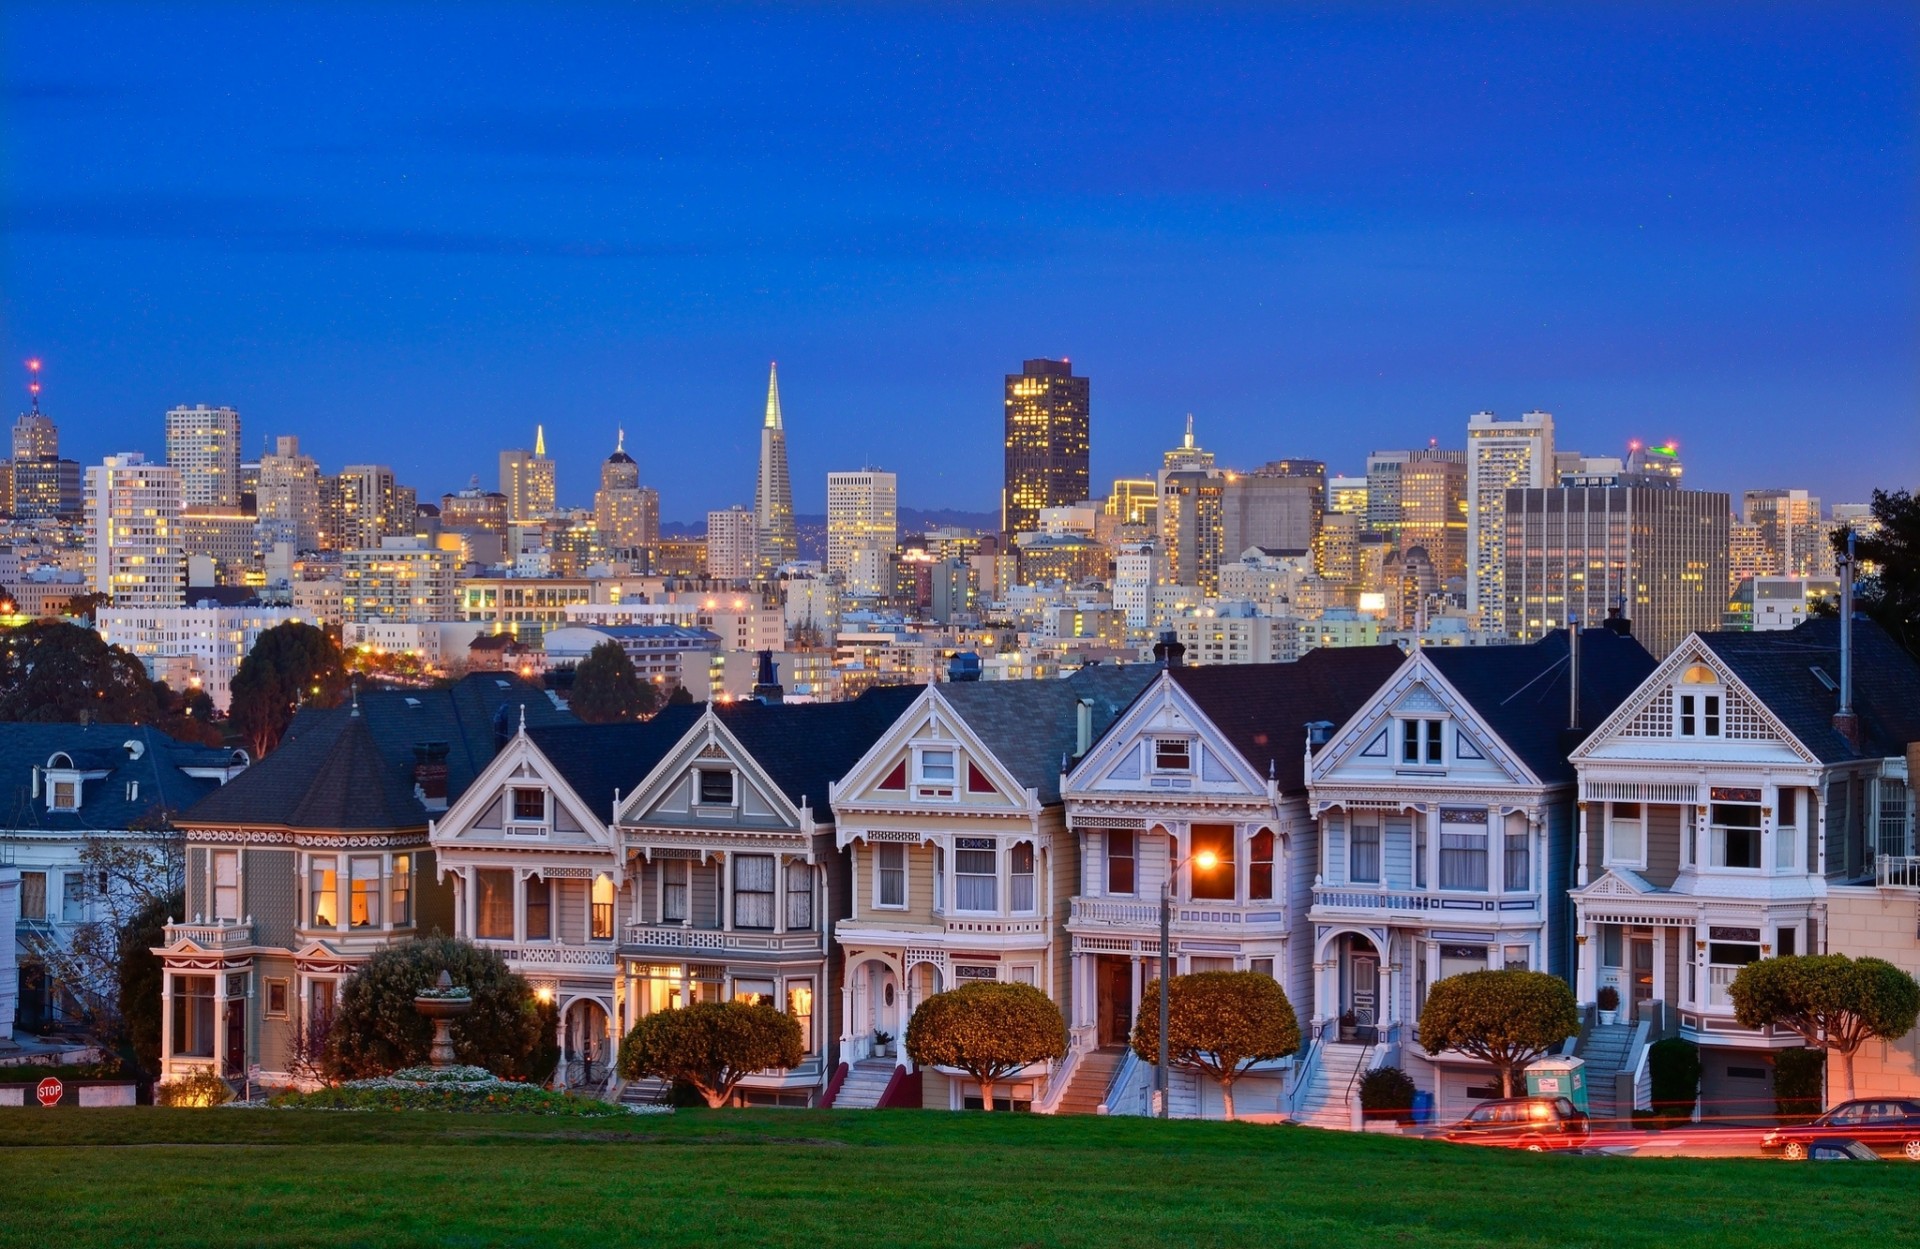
[
  {"x": 1797, "y": 1082},
  {"x": 988, "y": 1030},
  {"x": 1387, "y": 1093},
  {"x": 1506, "y": 1019},
  {"x": 202, "y": 1088},
  {"x": 1834, "y": 1002},
  {"x": 1219, "y": 1022},
  {"x": 712, "y": 1046},
  {"x": 1608, "y": 998},
  {"x": 139, "y": 978},
  {"x": 1673, "y": 1068},
  {"x": 472, "y": 1090},
  {"x": 377, "y": 1030}
]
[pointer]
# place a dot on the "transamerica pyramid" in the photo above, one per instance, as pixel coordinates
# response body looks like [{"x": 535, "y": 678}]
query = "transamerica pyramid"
[{"x": 775, "y": 542}]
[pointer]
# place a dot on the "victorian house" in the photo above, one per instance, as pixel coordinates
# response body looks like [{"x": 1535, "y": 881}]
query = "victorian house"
[
  {"x": 306, "y": 863},
  {"x": 962, "y": 867},
  {"x": 1445, "y": 812},
  {"x": 1195, "y": 799},
  {"x": 1750, "y": 779}
]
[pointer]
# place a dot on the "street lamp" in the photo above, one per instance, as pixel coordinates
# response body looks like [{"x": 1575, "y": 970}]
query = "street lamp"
[{"x": 1205, "y": 860}]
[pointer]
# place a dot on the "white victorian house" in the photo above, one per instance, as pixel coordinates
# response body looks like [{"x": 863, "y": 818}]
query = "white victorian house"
[
  {"x": 1206, "y": 765},
  {"x": 1719, "y": 804},
  {"x": 1445, "y": 811}
]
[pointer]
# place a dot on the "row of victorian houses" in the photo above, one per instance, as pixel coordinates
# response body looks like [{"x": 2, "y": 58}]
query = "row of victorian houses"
[{"x": 1377, "y": 821}]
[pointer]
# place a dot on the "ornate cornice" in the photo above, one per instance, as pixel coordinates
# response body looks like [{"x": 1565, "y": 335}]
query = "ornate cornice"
[{"x": 303, "y": 838}]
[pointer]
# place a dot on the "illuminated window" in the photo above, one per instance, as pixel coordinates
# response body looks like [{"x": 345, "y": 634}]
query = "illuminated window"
[
  {"x": 493, "y": 911},
  {"x": 601, "y": 915},
  {"x": 402, "y": 906},
  {"x": 364, "y": 904},
  {"x": 1260, "y": 866},
  {"x": 324, "y": 887},
  {"x": 226, "y": 886},
  {"x": 1216, "y": 881}
]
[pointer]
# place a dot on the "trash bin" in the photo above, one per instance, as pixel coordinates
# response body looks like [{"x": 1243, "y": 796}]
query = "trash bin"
[
  {"x": 1559, "y": 1077},
  {"x": 1422, "y": 1106}
]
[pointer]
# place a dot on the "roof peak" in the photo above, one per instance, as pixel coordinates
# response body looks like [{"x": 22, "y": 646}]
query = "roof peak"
[{"x": 774, "y": 420}]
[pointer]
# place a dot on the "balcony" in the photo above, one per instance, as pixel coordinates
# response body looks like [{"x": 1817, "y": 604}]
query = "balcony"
[
  {"x": 1411, "y": 902},
  {"x": 682, "y": 939},
  {"x": 996, "y": 926},
  {"x": 216, "y": 937},
  {"x": 1897, "y": 871},
  {"x": 542, "y": 956},
  {"x": 1190, "y": 918}
]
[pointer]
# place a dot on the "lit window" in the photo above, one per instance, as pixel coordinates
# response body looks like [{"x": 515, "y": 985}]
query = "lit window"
[
  {"x": 494, "y": 904},
  {"x": 364, "y": 907},
  {"x": 402, "y": 890},
  {"x": 324, "y": 887},
  {"x": 600, "y": 918}
]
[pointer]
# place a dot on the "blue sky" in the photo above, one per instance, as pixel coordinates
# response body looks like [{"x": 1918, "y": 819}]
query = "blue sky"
[{"x": 407, "y": 234}]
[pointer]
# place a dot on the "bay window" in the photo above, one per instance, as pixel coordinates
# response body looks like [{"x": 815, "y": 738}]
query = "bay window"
[
  {"x": 1260, "y": 866},
  {"x": 323, "y": 888},
  {"x": 800, "y": 1006},
  {"x": 493, "y": 911},
  {"x": 364, "y": 903},
  {"x": 600, "y": 909},
  {"x": 1728, "y": 950},
  {"x": 1363, "y": 853},
  {"x": 753, "y": 992},
  {"x": 799, "y": 896},
  {"x": 753, "y": 891},
  {"x": 401, "y": 891},
  {"x": 1120, "y": 860},
  {"x": 1217, "y": 881},
  {"x": 1787, "y": 839},
  {"x": 539, "y": 909},
  {"x": 1463, "y": 857},
  {"x": 674, "y": 875},
  {"x": 890, "y": 862},
  {"x": 976, "y": 869},
  {"x": 1518, "y": 867},
  {"x": 1020, "y": 879},
  {"x": 193, "y": 1014},
  {"x": 1734, "y": 832},
  {"x": 1626, "y": 834}
]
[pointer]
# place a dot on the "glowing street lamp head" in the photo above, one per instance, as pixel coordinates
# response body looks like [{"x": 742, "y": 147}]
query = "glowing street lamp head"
[{"x": 1206, "y": 860}]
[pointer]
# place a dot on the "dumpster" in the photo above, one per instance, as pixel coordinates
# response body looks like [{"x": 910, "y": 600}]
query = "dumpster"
[{"x": 1559, "y": 1077}]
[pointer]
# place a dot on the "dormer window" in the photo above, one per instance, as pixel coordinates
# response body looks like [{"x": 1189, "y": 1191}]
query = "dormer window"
[
  {"x": 528, "y": 806},
  {"x": 63, "y": 793},
  {"x": 1422, "y": 742},
  {"x": 1697, "y": 710},
  {"x": 715, "y": 787},
  {"x": 938, "y": 767},
  {"x": 1172, "y": 754}
]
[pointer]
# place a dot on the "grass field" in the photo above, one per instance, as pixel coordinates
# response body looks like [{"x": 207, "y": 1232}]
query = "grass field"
[{"x": 158, "y": 1178}]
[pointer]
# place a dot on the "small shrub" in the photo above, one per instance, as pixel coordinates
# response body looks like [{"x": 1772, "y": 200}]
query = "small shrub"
[
  {"x": 1387, "y": 1093},
  {"x": 202, "y": 1088},
  {"x": 1796, "y": 1082},
  {"x": 1673, "y": 1067},
  {"x": 1608, "y": 998}
]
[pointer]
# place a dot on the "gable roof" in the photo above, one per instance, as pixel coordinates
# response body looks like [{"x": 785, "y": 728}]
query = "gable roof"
[
  {"x": 1521, "y": 692},
  {"x": 1778, "y": 667},
  {"x": 1030, "y": 726},
  {"x": 351, "y": 767},
  {"x": 595, "y": 760},
  {"x": 1263, "y": 709},
  {"x": 804, "y": 747},
  {"x": 163, "y": 786}
]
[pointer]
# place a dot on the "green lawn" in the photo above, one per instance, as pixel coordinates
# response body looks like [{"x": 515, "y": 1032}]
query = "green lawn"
[{"x": 155, "y": 1178}]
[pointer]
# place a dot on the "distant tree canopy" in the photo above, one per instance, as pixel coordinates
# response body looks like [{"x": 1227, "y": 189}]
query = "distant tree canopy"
[
  {"x": 290, "y": 664},
  {"x": 606, "y": 688},
  {"x": 1891, "y": 596},
  {"x": 55, "y": 672}
]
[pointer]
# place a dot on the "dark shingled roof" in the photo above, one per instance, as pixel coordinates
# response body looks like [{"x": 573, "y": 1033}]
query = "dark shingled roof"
[
  {"x": 597, "y": 759},
  {"x": 1778, "y": 668},
  {"x": 1030, "y": 726},
  {"x": 805, "y": 747},
  {"x": 351, "y": 767},
  {"x": 104, "y": 804},
  {"x": 1264, "y": 709},
  {"x": 1521, "y": 691}
]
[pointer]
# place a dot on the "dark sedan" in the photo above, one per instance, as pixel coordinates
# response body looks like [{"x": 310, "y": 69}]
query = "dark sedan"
[
  {"x": 1535, "y": 1123},
  {"x": 1888, "y": 1125}
]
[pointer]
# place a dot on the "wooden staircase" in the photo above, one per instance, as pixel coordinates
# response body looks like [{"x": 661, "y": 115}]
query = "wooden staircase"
[{"x": 1088, "y": 1086}]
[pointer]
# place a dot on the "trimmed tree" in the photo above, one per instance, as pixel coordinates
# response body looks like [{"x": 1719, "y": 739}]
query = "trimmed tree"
[
  {"x": 988, "y": 1030},
  {"x": 712, "y": 1046},
  {"x": 1506, "y": 1019},
  {"x": 1833, "y": 1002},
  {"x": 1219, "y": 1022},
  {"x": 606, "y": 688},
  {"x": 376, "y": 1030},
  {"x": 290, "y": 664}
]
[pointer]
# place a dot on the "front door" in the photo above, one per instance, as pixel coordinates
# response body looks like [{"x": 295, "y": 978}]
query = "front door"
[
  {"x": 1640, "y": 975},
  {"x": 1114, "y": 993},
  {"x": 1364, "y": 984}
]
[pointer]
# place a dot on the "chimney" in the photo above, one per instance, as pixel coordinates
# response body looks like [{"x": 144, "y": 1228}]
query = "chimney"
[
  {"x": 1573, "y": 672},
  {"x": 766, "y": 682},
  {"x": 1168, "y": 651},
  {"x": 1082, "y": 727},
  {"x": 1618, "y": 624},
  {"x": 430, "y": 774},
  {"x": 1845, "y": 722}
]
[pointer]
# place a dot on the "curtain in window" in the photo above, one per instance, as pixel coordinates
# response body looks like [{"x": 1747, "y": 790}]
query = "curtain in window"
[
  {"x": 753, "y": 890},
  {"x": 893, "y": 875},
  {"x": 1463, "y": 860},
  {"x": 973, "y": 876},
  {"x": 673, "y": 894},
  {"x": 1519, "y": 865},
  {"x": 799, "y": 896},
  {"x": 1363, "y": 863},
  {"x": 539, "y": 909},
  {"x": 1020, "y": 879},
  {"x": 494, "y": 914}
]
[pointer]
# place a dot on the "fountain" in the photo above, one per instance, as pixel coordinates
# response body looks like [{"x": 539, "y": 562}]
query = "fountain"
[{"x": 443, "y": 1004}]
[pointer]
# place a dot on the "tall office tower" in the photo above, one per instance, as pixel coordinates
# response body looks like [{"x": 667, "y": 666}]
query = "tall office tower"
[
  {"x": 626, "y": 513},
  {"x": 1192, "y": 530},
  {"x": 1654, "y": 464},
  {"x": 1501, "y": 456},
  {"x": 776, "y": 542},
  {"x": 203, "y": 443},
  {"x": 1656, "y": 553},
  {"x": 1384, "y": 470},
  {"x": 1134, "y": 501},
  {"x": 1336, "y": 549},
  {"x": 474, "y": 510},
  {"x": 1747, "y": 555},
  {"x": 133, "y": 532},
  {"x": 1792, "y": 532},
  {"x": 226, "y": 540},
  {"x": 732, "y": 544},
  {"x": 526, "y": 478},
  {"x": 1347, "y": 494},
  {"x": 287, "y": 502},
  {"x": 1273, "y": 512},
  {"x": 1048, "y": 442},
  {"x": 1433, "y": 513},
  {"x": 364, "y": 506},
  {"x": 862, "y": 513},
  {"x": 39, "y": 484},
  {"x": 35, "y": 436},
  {"x": 1186, "y": 455}
]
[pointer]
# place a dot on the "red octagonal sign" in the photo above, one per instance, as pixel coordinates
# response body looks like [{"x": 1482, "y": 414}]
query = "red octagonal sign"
[{"x": 49, "y": 1091}]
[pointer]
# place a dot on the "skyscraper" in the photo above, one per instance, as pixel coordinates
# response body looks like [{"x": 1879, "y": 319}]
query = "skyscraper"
[
  {"x": 732, "y": 543},
  {"x": 776, "y": 543},
  {"x": 626, "y": 513},
  {"x": 1384, "y": 470},
  {"x": 133, "y": 532},
  {"x": 288, "y": 498},
  {"x": 40, "y": 484},
  {"x": 366, "y": 506},
  {"x": 1433, "y": 513},
  {"x": 862, "y": 513},
  {"x": 1191, "y": 528},
  {"x": 1792, "y": 533},
  {"x": 1048, "y": 441},
  {"x": 1501, "y": 456},
  {"x": 203, "y": 444},
  {"x": 526, "y": 478},
  {"x": 1187, "y": 455}
]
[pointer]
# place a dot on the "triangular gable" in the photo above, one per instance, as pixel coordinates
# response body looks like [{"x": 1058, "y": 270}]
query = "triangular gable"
[
  {"x": 666, "y": 795},
  {"x": 884, "y": 775},
  {"x": 1364, "y": 749},
  {"x": 1122, "y": 761},
  {"x": 479, "y": 815},
  {"x": 1646, "y": 716}
]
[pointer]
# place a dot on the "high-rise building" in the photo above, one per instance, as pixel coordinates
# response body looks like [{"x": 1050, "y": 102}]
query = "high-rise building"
[
  {"x": 398, "y": 580},
  {"x": 225, "y": 538},
  {"x": 626, "y": 513},
  {"x": 1792, "y": 533},
  {"x": 526, "y": 478},
  {"x": 1187, "y": 455},
  {"x": 1433, "y": 513},
  {"x": 39, "y": 484},
  {"x": 1656, "y": 554},
  {"x": 1502, "y": 455},
  {"x": 35, "y": 437},
  {"x": 1135, "y": 501},
  {"x": 862, "y": 512},
  {"x": 133, "y": 532},
  {"x": 1347, "y": 494},
  {"x": 474, "y": 510},
  {"x": 203, "y": 443},
  {"x": 1384, "y": 470},
  {"x": 287, "y": 501},
  {"x": 732, "y": 544},
  {"x": 1747, "y": 554},
  {"x": 776, "y": 541},
  {"x": 1192, "y": 529},
  {"x": 1048, "y": 442},
  {"x": 363, "y": 505},
  {"x": 1269, "y": 511}
]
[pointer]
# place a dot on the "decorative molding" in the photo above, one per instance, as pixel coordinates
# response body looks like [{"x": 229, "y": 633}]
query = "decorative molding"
[{"x": 287, "y": 837}]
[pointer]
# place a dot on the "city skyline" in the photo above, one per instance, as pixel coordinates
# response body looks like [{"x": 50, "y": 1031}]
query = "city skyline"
[{"x": 372, "y": 260}]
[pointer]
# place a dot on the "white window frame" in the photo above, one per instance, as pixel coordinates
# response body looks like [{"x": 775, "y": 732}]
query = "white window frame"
[
  {"x": 1704, "y": 720},
  {"x": 55, "y": 782},
  {"x": 1430, "y": 744},
  {"x": 215, "y": 888},
  {"x": 1613, "y": 857},
  {"x": 518, "y": 826},
  {"x": 995, "y": 852},
  {"x": 880, "y": 872},
  {"x": 922, "y": 777},
  {"x": 700, "y": 774},
  {"x": 1186, "y": 745}
]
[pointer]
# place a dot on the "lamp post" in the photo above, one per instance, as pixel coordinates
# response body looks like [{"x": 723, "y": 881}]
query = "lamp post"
[{"x": 1205, "y": 861}]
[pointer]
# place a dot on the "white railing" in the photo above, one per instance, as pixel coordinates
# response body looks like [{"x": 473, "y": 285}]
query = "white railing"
[
  {"x": 541, "y": 955},
  {"x": 989, "y": 927},
  {"x": 1897, "y": 871},
  {"x": 1188, "y": 917},
  {"x": 675, "y": 936},
  {"x": 1361, "y": 900},
  {"x": 226, "y": 936}
]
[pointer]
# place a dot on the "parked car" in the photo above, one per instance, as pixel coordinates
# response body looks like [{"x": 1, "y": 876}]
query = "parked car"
[
  {"x": 1839, "y": 1149},
  {"x": 1536, "y": 1123},
  {"x": 1889, "y": 1125}
]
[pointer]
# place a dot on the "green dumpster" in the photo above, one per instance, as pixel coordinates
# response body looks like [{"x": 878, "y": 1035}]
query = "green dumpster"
[{"x": 1559, "y": 1077}]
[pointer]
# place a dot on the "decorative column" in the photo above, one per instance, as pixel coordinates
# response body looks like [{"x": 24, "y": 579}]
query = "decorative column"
[
  {"x": 166, "y": 1020},
  {"x": 1580, "y": 845},
  {"x": 725, "y": 892},
  {"x": 220, "y": 1020}
]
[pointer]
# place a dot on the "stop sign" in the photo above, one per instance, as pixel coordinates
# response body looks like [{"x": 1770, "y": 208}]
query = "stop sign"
[{"x": 49, "y": 1091}]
